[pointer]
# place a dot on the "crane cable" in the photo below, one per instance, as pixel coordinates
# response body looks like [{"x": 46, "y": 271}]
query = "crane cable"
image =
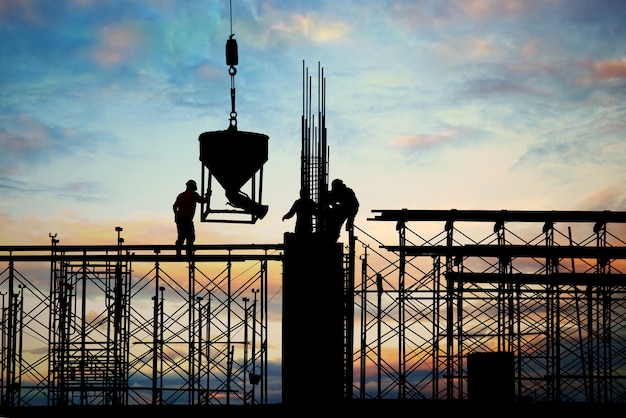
[{"x": 232, "y": 59}]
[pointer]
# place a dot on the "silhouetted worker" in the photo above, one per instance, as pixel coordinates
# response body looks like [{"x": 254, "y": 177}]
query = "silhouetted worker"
[
  {"x": 342, "y": 207},
  {"x": 184, "y": 211},
  {"x": 304, "y": 208}
]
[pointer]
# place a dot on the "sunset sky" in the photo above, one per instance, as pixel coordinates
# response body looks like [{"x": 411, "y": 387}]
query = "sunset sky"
[
  {"x": 439, "y": 104},
  {"x": 466, "y": 104}
]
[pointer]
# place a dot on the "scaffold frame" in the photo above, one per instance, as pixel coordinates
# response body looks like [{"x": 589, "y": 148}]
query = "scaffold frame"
[
  {"x": 134, "y": 325},
  {"x": 546, "y": 286}
]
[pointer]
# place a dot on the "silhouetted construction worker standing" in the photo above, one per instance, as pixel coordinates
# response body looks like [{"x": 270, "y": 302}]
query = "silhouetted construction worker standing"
[
  {"x": 184, "y": 211},
  {"x": 304, "y": 208}
]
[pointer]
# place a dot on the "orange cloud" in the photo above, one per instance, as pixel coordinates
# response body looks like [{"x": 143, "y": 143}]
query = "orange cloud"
[
  {"x": 209, "y": 71},
  {"x": 74, "y": 229},
  {"x": 481, "y": 47},
  {"x": 530, "y": 48},
  {"x": 33, "y": 135},
  {"x": 421, "y": 141},
  {"x": 488, "y": 8},
  {"x": 310, "y": 26},
  {"x": 117, "y": 44},
  {"x": 611, "y": 197},
  {"x": 607, "y": 70}
]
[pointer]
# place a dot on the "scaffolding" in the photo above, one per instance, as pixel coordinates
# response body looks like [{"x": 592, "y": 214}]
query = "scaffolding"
[
  {"x": 492, "y": 282},
  {"x": 134, "y": 325},
  {"x": 88, "y": 357},
  {"x": 540, "y": 295}
]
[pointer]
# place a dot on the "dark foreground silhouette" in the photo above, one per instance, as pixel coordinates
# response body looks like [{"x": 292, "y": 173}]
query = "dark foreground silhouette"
[{"x": 363, "y": 408}]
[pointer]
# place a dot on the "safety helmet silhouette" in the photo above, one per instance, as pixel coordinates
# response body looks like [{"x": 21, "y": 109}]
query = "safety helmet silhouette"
[
  {"x": 337, "y": 184},
  {"x": 191, "y": 185}
]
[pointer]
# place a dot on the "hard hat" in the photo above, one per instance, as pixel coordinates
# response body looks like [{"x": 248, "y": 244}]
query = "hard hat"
[
  {"x": 192, "y": 184},
  {"x": 337, "y": 183}
]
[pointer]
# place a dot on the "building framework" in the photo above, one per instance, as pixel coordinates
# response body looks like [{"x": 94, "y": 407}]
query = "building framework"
[
  {"x": 541, "y": 294},
  {"x": 134, "y": 325},
  {"x": 545, "y": 288}
]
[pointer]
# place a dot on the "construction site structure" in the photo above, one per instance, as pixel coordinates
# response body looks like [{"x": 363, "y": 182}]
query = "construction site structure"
[
  {"x": 497, "y": 305},
  {"x": 316, "y": 342},
  {"x": 128, "y": 325},
  {"x": 487, "y": 306},
  {"x": 525, "y": 306}
]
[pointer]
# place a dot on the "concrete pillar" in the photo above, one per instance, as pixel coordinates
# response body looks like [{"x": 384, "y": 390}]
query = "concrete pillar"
[{"x": 312, "y": 321}]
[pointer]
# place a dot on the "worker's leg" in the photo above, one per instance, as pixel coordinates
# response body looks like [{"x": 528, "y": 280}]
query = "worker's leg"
[
  {"x": 180, "y": 230},
  {"x": 191, "y": 238}
]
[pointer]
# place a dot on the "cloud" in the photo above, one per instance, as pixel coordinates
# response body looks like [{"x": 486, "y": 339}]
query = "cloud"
[
  {"x": 27, "y": 11},
  {"x": 24, "y": 137},
  {"x": 418, "y": 141},
  {"x": 82, "y": 191},
  {"x": 286, "y": 24},
  {"x": 478, "y": 9},
  {"x": 116, "y": 44},
  {"x": 27, "y": 141},
  {"x": 607, "y": 70},
  {"x": 480, "y": 88},
  {"x": 611, "y": 197}
]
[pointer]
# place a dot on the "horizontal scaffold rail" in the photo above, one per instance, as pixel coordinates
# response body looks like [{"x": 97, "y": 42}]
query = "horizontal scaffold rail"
[
  {"x": 532, "y": 251},
  {"x": 570, "y": 279},
  {"x": 406, "y": 215},
  {"x": 143, "y": 253}
]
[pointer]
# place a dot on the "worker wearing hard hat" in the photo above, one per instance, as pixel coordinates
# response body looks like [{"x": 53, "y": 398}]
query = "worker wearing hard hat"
[{"x": 184, "y": 211}]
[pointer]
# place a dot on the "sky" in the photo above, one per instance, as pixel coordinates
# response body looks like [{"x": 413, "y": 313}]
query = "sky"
[
  {"x": 465, "y": 104},
  {"x": 439, "y": 104}
]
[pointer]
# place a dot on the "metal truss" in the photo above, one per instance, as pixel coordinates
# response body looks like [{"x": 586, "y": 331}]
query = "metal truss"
[
  {"x": 547, "y": 287},
  {"x": 134, "y": 325}
]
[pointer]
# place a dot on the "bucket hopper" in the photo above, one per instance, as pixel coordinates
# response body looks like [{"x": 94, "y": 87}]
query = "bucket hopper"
[{"x": 234, "y": 159}]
